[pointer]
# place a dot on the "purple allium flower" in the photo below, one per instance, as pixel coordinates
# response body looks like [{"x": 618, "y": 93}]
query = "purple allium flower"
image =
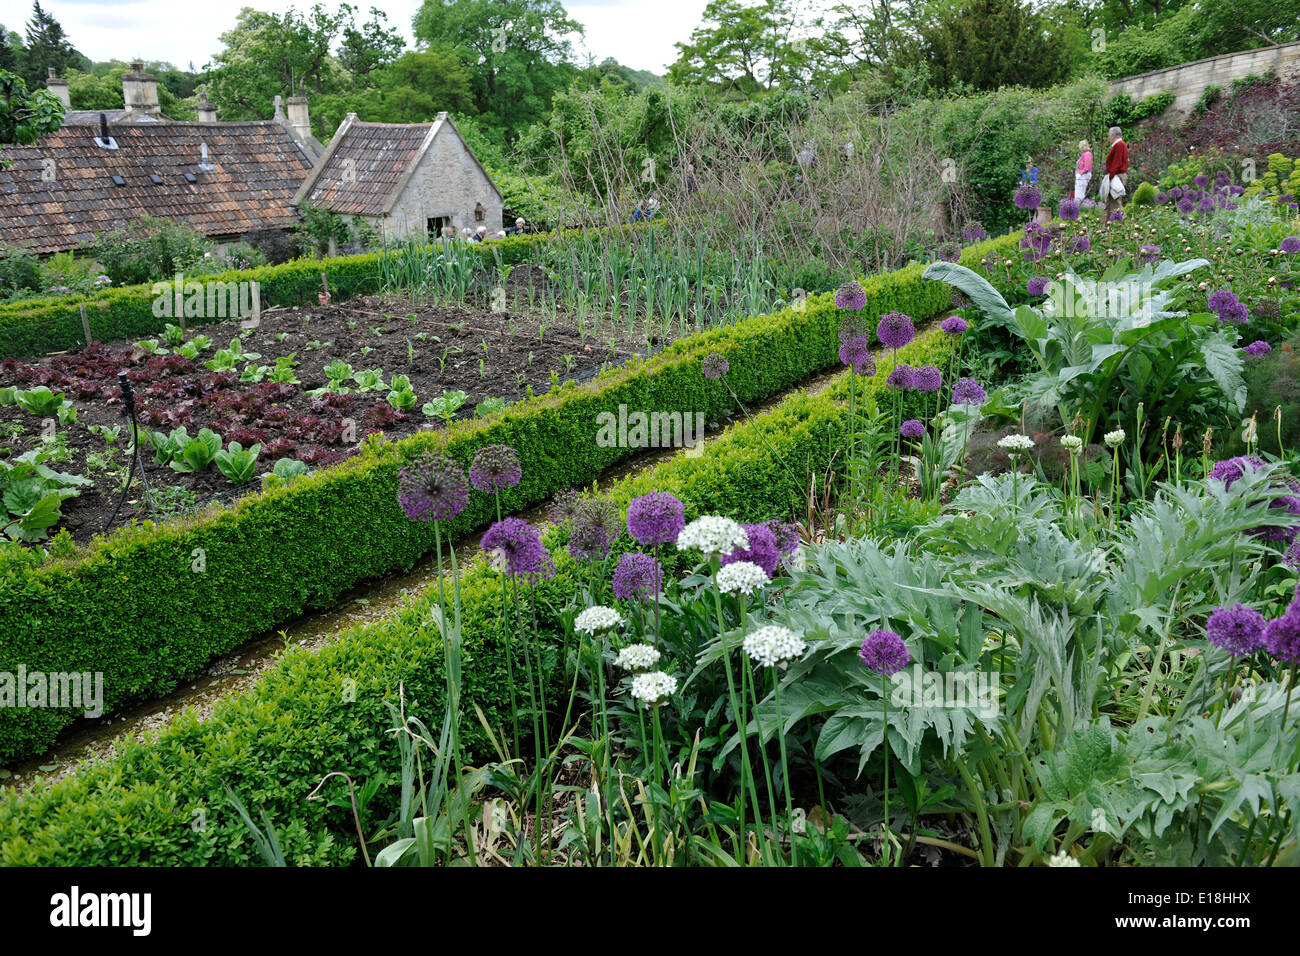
[
  {"x": 1237, "y": 190},
  {"x": 854, "y": 326},
  {"x": 595, "y": 526},
  {"x": 974, "y": 232},
  {"x": 1081, "y": 245},
  {"x": 1292, "y": 556},
  {"x": 912, "y": 428},
  {"x": 1285, "y": 199},
  {"x": 1186, "y": 205},
  {"x": 1230, "y": 470},
  {"x": 495, "y": 467},
  {"x": 1202, "y": 181},
  {"x": 656, "y": 518},
  {"x": 1176, "y": 192},
  {"x": 895, "y": 330},
  {"x": 1205, "y": 206},
  {"x": 953, "y": 325},
  {"x": 1258, "y": 347},
  {"x": 1221, "y": 178},
  {"x": 564, "y": 507},
  {"x": 900, "y": 377},
  {"x": 1290, "y": 245},
  {"x": 1117, "y": 216},
  {"x": 967, "y": 391},
  {"x": 927, "y": 378},
  {"x": 855, "y": 352},
  {"x": 1069, "y": 210},
  {"x": 1161, "y": 198},
  {"x": 1027, "y": 197},
  {"x": 637, "y": 576},
  {"x": 786, "y": 535},
  {"x": 1234, "y": 314},
  {"x": 519, "y": 545},
  {"x": 884, "y": 652},
  {"x": 1220, "y": 298},
  {"x": 432, "y": 488},
  {"x": 850, "y": 296},
  {"x": 1281, "y": 636},
  {"x": 1149, "y": 255},
  {"x": 1037, "y": 285},
  {"x": 715, "y": 366},
  {"x": 1237, "y": 630},
  {"x": 762, "y": 549}
]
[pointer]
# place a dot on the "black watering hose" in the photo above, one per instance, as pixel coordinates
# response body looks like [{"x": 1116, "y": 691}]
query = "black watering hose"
[{"x": 128, "y": 410}]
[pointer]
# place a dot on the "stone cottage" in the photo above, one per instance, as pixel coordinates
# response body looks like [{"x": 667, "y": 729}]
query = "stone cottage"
[{"x": 405, "y": 179}]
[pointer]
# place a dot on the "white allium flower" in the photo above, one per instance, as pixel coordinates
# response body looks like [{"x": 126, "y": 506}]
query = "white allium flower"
[
  {"x": 637, "y": 657},
  {"x": 654, "y": 688},
  {"x": 797, "y": 561},
  {"x": 1072, "y": 443},
  {"x": 713, "y": 534},
  {"x": 773, "y": 644},
  {"x": 1015, "y": 444},
  {"x": 598, "y": 619},
  {"x": 741, "y": 577},
  {"x": 1114, "y": 438},
  {"x": 1062, "y": 859}
]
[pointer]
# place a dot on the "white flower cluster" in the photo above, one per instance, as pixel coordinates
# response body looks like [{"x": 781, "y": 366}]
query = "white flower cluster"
[
  {"x": 712, "y": 534},
  {"x": 654, "y": 688},
  {"x": 1072, "y": 443},
  {"x": 773, "y": 644},
  {"x": 1114, "y": 438},
  {"x": 597, "y": 620},
  {"x": 1062, "y": 859},
  {"x": 1015, "y": 444},
  {"x": 741, "y": 577},
  {"x": 637, "y": 657}
]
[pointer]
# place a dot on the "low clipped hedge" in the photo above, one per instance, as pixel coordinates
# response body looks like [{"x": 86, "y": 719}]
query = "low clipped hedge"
[
  {"x": 150, "y": 606},
  {"x": 53, "y": 323},
  {"x": 162, "y": 803}
]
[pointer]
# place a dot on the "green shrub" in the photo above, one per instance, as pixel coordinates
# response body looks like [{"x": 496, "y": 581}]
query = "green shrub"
[
  {"x": 149, "y": 250},
  {"x": 20, "y": 272},
  {"x": 1144, "y": 195},
  {"x": 202, "y": 587}
]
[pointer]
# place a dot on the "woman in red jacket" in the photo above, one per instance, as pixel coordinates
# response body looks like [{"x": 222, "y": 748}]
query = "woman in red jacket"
[{"x": 1116, "y": 168}]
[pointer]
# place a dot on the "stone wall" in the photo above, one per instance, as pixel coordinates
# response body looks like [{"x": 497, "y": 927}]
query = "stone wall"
[
  {"x": 1190, "y": 80},
  {"x": 447, "y": 183}
]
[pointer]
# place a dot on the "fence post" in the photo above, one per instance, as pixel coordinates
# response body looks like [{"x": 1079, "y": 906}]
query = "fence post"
[{"x": 85, "y": 323}]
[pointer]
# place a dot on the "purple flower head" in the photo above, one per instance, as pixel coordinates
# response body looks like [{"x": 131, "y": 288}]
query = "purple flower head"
[
  {"x": 1231, "y": 469},
  {"x": 1281, "y": 636},
  {"x": 1221, "y": 178},
  {"x": 1220, "y": 298},
  {"x": 1205, "y": 206},
  {"x": 927, "y": 378},
  {"x": 1027, "y": 197},
  {"x": 974, "y": 232},
  {"x": 1257, "y": 348},
  {"x": 1290, "y": 245},
  {"x": 912, "y": 428},
  {"x": 1287, "y": 493},
  {"x": 595, "y": 526},
  {"x": 1117, "y": 216},
  {"x": 786, "y": 535},
  {"x": 1149, "y": 255},
  {"x": 762, "y": 549},
  {"x": 495, "y": 467},
  {"x": 954, "y": 325},
  {"x": 1069, "y": 210},
  {"x": 1176, "y": 192},
  {"x": 1237, "y": 190},
  {"x": 895, "y": 330},
  {"x": 900, "y": 378},
  {"x": 432, "y": 488},
  {"x": 855, "y": 353},
  {"x": 564, "y": 507},
  {"x": 1238, "y": 630},
  {"x": 884, "y": 652},
  {"x": 1081, "y": 245},
  {"x": 1037, "y": 285},
  {"x": 656, "y": 518},
  {"x": 1161, "y": 198},
  {"x": 1292, "y": 556},
  {"x": 967, "y": 391},
  {"x": 850, "y": 296},
  {"x": 1186, "y": 205},
  {"x": 1202, "y": 181},
  {"x": 854, "y": 326},
  {"x": 1234, "y": 314},
  {"x": 519, "y": 546},
  {"x": 715, "y": 366},
  {"x": 637, "y": 577}
]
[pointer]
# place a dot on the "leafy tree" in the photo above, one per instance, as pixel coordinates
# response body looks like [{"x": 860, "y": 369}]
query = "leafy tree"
[
  {"x": 744, "y": 48},
  {"x": 518, "y": 53},
  {"x": 11, "y": 50},
  {"x": 24, "y": 115},
  {"x": 986, "y": 44},
  {"x": 47, "y": 47},
  {"x": 366, "y": 48}
]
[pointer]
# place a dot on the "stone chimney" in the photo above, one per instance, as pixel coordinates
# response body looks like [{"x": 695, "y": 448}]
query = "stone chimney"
[
  {"x": 140, "y": 91},
  {"x": 59, "y": 87},
  {"x": 207, "y": 112},
  {"x": 299, "y": 122}
]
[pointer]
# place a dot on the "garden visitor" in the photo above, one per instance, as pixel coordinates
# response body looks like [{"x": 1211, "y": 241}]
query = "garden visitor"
[
  {"x": 1029, "y": 174},
  {"x": 642, "y": 212},
  {"x": 480, "y": 234},
  {"x": 518, "y": 228},
  {"x": 448, "y": 233},
  {"x": 1114, "y": 183},
  {"x": 1082, "y": 171},
  {"x": 691, "y": 185},
  {"x": 466, "y": 235}
]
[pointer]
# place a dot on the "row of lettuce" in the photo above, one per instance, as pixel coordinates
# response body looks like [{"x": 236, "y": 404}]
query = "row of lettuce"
[
  {"x": 151, "y": 606},
  {"x": 165, "y": 803}
]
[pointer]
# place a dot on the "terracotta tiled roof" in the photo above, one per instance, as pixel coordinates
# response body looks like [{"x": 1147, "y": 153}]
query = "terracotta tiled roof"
[
  {"x": 257, "y": 168},
  {"x": 366, "y": 166}
]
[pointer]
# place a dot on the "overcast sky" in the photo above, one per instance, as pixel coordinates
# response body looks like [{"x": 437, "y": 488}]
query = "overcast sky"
[{"x": 637, "y": 33}]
